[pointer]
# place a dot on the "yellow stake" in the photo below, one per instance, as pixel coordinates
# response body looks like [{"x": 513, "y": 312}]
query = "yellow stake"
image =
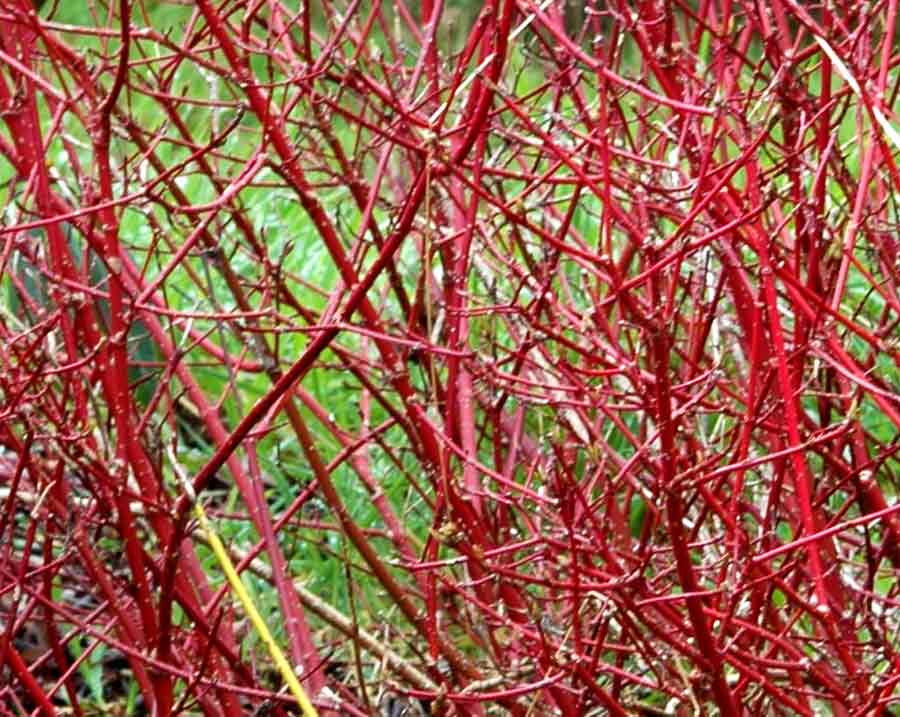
[{"x": 238, "y": 588}]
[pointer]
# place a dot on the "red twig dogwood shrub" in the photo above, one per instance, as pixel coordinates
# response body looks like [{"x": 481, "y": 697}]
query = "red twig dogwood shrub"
[{"x": 531, "y": 359}]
